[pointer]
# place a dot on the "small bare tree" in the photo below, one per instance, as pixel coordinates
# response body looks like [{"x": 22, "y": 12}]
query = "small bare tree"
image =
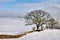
[
  {"x": 37, "y": 17},
  {"x": 52, "y": 22}
]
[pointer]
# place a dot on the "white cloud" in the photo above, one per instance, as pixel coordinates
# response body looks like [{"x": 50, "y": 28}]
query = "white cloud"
[
  {"x": 57, "y": 6},
  {"x": 12, "y": 13},
  {"x": 50, "y": 6},
  {"x": 31, "y": 6},
  {"x": 6, "y": 0}
]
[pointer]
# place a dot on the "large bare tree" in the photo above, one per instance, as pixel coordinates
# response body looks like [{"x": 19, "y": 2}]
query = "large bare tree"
[{"x": 37, "y": 17}]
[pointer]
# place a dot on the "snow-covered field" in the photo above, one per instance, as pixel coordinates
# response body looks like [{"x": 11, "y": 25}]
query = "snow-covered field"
[
  {"x": 47, "y": 34},
  {"x": 13, "y": 26},
  {"x": 44, "y": 35}
]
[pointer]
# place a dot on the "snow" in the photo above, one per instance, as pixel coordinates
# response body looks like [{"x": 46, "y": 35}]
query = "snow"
[
  {"x": 13, "y": 26},
  {"x": 47, "y": 34},
  {"x": 43, "y": 35}
]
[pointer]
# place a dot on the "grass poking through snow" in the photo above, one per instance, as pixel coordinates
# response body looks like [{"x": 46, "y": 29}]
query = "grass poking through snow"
[{"x": 14, "y": 36}]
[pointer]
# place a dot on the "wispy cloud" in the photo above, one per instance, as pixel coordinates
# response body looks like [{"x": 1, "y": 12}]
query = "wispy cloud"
[
  {"x": 50, "y": 6},
  {"x": 13, "y": 13},
  {"x": 57, "y": 6},
  {"x": 6, "y": 0}
]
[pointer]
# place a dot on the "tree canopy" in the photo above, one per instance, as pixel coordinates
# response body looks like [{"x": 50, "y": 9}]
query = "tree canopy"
[
  {"x": 52, "y": 22},
  {"x": 37, "y": 17}
]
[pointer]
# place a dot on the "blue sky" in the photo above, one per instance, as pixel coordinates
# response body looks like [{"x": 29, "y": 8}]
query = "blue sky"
[
  {"x": 14, "y": 8},
  {"x": 7, "y": 5}
]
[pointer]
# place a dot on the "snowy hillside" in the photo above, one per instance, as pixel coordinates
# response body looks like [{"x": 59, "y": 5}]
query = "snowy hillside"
[
  {"x": 47, "y": 34},
  {"x": 44, "y": 35},
  {"x": 13, "y": 26}
]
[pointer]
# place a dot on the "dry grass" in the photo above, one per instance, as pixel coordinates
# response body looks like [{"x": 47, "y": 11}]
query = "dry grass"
[{"x": 14, "y": 36}]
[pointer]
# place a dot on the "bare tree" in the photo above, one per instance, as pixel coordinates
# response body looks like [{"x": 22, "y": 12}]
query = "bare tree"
[
  {"x": 52, "y": 22},
  {"x": 37, "y": 17}
]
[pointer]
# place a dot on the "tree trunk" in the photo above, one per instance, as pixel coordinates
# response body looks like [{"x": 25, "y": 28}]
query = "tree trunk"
[
  {"x": 41, "y": 28},
  {"x": 37, "y": 27}
]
